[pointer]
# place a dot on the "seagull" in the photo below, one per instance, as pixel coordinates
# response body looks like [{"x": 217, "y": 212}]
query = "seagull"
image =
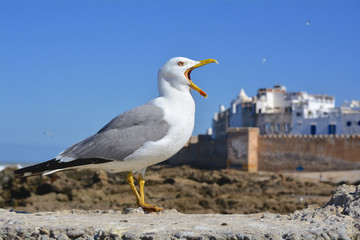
[{"x": 140, "y": 137}]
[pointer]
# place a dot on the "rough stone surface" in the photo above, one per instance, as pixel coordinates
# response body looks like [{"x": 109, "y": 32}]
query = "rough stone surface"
[
  {"x": 347, "y": 197},
  {"x": 339, "y": 219}
]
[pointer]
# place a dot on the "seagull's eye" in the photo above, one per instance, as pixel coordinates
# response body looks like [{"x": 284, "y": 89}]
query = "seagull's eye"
[{"x": 180, "y": 63}]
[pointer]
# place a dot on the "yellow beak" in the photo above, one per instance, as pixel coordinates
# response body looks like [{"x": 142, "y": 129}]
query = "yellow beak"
[{"x": 187, "y": 74}]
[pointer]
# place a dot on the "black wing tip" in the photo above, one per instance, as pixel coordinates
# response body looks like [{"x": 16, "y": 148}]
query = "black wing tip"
[
  {"x": 55, "y": 164},
  {"x": 33, "y": 170}
]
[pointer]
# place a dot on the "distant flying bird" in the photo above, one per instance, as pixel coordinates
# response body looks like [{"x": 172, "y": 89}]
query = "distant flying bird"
[
  {"x": 140, "y": 137},
  {"x": 51, "y": 134}
]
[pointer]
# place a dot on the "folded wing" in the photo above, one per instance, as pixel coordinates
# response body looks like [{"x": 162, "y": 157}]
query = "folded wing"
[{"x": 121, "y": 137}]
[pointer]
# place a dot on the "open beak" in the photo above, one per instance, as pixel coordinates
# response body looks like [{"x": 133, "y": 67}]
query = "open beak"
[{"x": 187, "y": 74}]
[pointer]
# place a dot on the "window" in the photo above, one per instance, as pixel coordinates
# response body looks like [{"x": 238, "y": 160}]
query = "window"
[
  {"x": 298, "y": 114},
  {"x": 348, "y": 123},
  {"x": 267, "y": 127},
  {"x": 332, "y": 129},
  {"x": 277, "y": 127},
  {"x": 287, "y": 127},
  {"x": 359, "y": 123},
  {"x": 313, "y": 129}
]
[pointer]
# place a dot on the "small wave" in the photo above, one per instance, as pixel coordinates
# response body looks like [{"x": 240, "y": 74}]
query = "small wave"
[{"x": 10, "y": 164}]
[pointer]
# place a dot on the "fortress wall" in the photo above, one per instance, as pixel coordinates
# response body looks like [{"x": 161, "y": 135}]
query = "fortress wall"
[
  {"x": 245, "y": 149},
  {"x": 211, "y": 154},
  {"x": 309, "y": 152},
  {"x": 242, "y": 148},
  {"x": 205, "y": 153}
]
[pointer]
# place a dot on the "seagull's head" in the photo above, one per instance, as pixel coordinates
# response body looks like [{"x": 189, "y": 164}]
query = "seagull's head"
[{"x": 175, "y": 73}]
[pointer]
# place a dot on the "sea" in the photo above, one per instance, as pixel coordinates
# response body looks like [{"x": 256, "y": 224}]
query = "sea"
[
  {"x": 4, "y": 165},
  {"x": 22, "y": 155}
]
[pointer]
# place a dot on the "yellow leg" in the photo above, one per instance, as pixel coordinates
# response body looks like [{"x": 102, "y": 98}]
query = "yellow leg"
[
  {"x": 130, "y": 180},
  {"x": 140, "y": 198},
  {"x": 141, "y": 188}
]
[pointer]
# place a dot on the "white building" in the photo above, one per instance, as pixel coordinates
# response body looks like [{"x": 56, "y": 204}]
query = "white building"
[
  {"x": 276, "y": 111},
  {"x": 240, "y": 107},
  {"x": 312, "y": 106},
  {"x": 270, "y": 100}
]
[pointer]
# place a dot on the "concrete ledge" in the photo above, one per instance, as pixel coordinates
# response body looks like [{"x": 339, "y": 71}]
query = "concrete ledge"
[{"x": 338, "y": 220}]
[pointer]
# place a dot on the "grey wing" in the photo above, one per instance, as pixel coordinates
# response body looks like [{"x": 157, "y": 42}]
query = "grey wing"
[{"x": 123, "y": 135}]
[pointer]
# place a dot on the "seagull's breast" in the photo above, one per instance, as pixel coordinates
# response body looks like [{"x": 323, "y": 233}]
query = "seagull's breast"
[{"x": 179, "y": 113}]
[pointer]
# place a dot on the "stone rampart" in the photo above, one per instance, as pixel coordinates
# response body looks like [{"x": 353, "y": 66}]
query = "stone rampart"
[
  {"x": 205, "y": 153},
  {"x": 308, "y": 152},
  {"x": 244, "y": 148}
]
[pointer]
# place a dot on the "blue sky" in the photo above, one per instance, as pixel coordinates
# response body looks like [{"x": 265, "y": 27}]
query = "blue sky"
[{"x": 68, "y": 67}]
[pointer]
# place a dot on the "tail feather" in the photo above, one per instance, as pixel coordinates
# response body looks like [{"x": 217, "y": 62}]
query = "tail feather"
[{"x": 55, "y": 165}]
